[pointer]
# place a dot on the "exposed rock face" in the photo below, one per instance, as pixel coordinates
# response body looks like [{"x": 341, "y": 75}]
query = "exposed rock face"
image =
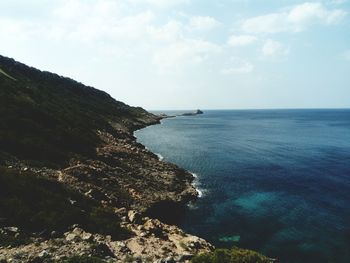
[
  {"x": 152, "y": 241},
  {"x": 125, "y": 174},
  {"x": 131, "y": 179}
]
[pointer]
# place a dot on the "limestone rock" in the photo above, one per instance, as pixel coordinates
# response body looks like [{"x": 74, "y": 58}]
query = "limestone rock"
[{"x": 134, "y": 217}]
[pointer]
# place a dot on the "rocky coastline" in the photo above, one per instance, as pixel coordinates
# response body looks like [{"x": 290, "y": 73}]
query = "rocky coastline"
[
  {"x": 151, "y": 188},
  {"x": 109, "y": 198}
]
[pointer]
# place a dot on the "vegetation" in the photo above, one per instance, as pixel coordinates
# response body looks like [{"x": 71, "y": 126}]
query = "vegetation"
[
  {"x": 234, "y": 255},
  {"x": 6, "y": 75},
  {"x": 13, "y": 241},
  {"x": 39, "y": 205},
  {"x": 47, "y": 119}
]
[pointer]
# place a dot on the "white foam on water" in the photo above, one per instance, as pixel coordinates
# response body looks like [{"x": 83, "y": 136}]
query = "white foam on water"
[
  {"x": 160, "y": 157},
  {"x": 200, "y": 192},
  {"x": 196, "y": 185}
]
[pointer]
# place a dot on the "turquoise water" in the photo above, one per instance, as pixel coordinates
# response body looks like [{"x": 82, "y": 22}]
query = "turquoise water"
[{"x": 277, "y": 181}]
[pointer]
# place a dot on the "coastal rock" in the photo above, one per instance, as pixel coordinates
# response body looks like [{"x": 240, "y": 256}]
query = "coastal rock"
[
  {"x": 192, "y": 113},
  {"x": 177, "y": 247},
  {"x": 43, "y": 254},
  {"x": 134, "y": 217},
  {"x": 72, "y": 237},
  {"x": 87, "y": 236},
  {"x": 121, "y": 211}
]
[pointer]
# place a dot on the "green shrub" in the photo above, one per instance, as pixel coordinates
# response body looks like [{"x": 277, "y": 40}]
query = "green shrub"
[
  {"x": 36, "y": 204},
  {"x": 234, "y": 255},
  {"x": 104, "y": 221},
  {"x": 10, "y": 240}
]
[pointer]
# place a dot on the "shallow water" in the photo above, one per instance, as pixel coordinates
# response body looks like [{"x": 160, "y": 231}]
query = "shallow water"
[{"x": 277, "y": 181}]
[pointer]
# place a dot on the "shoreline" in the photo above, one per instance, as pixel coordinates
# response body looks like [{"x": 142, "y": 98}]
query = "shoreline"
[
  {"x": 149, "y": 184},
  {"x": 195, "y": 182}
]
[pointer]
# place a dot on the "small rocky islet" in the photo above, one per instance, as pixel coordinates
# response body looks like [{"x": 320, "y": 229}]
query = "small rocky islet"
[{"x": 74, "y": 182}]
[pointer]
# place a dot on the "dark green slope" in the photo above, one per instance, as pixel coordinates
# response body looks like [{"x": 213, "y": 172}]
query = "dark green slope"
[
  {"x": 47, "y": 119},
  {"x": 35, "y": 204}
]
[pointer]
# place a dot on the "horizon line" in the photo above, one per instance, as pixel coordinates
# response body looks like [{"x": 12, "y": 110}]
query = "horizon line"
[{"x": 227, "y": 109}]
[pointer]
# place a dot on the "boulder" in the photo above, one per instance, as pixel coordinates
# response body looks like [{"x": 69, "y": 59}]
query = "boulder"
[
  {"x": 121, "y": 211},
  {"x": 43, "y": 254},
  {"x": 71, "y": 237},
  {"x": 134, "y": 217},
  {"x": 87, "y": 236}
]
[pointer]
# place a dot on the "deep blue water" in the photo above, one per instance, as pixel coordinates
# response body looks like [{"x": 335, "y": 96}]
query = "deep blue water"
[{"x": 277, "y": 181}]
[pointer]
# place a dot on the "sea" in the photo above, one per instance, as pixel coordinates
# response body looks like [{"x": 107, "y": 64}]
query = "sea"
[{"x": 275, "y": 181}]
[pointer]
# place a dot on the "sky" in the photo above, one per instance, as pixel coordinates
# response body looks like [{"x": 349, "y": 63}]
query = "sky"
[{"x": 188, "y": 54}]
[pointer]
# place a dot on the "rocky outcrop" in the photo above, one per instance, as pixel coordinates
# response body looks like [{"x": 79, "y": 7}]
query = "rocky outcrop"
[
  {"x": 151, "y": 241},
  {"x": 126, "y": 174},
  {"x": 192, "y": 113},
  {"x": 130, "y": 179}
]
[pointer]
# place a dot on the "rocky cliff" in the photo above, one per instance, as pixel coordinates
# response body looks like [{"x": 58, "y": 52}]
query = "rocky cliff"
[{"x": 74, "y": 181}]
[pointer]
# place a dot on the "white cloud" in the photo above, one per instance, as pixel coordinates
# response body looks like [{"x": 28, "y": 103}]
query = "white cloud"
[
  {"x": 203, "y": 23},
  {"x": 237, "y": 66},
  {"x": 309, "y": 12},
  {"x": 84, "y": 21},
  {"x": 109, "y": 28},
  {"x": 184, "y": 52},
  {"x": 274, "y": 49},
  {"x": 297, "y": 18},
  {"x": 171, "y": 31},
  {"x": 270, "y": 23},
  {"x": 241, "y": 40}
]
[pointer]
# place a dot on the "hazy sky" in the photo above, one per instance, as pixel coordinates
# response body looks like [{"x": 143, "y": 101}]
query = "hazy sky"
[{"x": 185, "y": 54}]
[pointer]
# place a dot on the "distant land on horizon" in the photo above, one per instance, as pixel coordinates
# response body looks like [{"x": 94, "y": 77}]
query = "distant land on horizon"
[{"x": 232, "y": 109}]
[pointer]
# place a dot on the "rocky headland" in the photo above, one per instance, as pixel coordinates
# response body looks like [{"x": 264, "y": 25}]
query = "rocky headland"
[{"x": 75, "y": 186}]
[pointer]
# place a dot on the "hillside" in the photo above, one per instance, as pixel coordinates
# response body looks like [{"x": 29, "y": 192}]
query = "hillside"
[{"x": 46, "y": 118}]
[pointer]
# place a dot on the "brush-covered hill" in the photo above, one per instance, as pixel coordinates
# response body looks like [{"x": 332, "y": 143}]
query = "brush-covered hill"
[{"x": 48, "y": 119}]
